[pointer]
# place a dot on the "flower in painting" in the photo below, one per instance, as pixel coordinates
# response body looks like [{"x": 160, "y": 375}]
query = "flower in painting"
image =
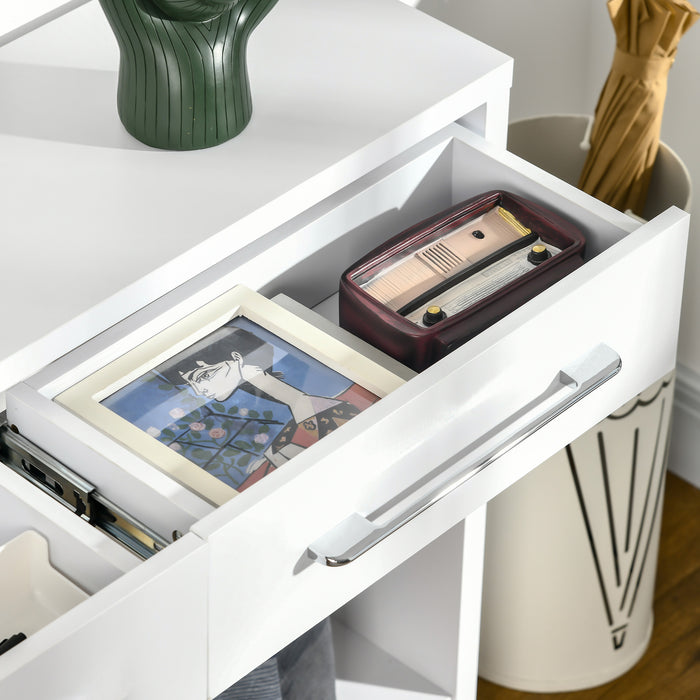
[
  {"x": 197, "y": 426},
  {"x": 176, "y": 446},
  {"x": 217, "y": 433},
  {"x": 177, "y": 413},
  {"x": 243, "y": 412},
  {"x": 153, "y": 432},
  {"x": 261, "y": 438}
]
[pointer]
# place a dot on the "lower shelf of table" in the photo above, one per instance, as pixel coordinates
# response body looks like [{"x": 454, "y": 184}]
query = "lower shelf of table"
[{"x": 366, "y": 672}]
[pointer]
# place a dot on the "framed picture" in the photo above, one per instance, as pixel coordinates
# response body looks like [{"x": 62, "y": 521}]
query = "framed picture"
[{"x": 229, "y": 393}]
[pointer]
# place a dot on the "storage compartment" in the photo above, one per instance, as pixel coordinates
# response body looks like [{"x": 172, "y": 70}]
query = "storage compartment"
[
  {"x": 77, "y": 647},
  {"x": 409, "y": 635},
  {"x": 86, "y": 558}
]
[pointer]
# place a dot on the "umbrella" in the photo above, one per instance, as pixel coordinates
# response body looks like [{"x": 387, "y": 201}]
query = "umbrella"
[{"x": 627, "y": 124}]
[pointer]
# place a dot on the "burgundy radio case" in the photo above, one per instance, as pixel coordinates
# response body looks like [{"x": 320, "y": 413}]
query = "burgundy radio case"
[{"x": 437, "y": 284}]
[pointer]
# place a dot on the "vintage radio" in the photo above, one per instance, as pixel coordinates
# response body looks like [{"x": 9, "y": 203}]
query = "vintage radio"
[{"x": 437, "y": 284}]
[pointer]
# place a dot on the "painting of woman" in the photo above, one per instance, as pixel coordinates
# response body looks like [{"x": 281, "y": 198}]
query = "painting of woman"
[{"x": 240, "y": 402}]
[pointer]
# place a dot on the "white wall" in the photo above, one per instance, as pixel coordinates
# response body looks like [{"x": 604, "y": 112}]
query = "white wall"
[{"x": 538, "y": 36}]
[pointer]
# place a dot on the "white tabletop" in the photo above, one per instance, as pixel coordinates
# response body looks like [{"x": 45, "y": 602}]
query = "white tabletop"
[
  {"x": 95, "y": 224},
  {"x": 18, "y": 18}
]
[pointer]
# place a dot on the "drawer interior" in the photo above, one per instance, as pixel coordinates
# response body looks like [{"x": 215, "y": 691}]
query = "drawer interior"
[
  {"x": 51, "y": 561},
  {"x": 417, "y": 186},
  {"x": 302, "y": 259},
  {"x": 82, "y": 554},
  {"x": 78, "y": 609}
]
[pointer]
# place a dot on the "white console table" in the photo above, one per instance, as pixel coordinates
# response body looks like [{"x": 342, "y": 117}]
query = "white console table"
[{"x": 368, "y": 115}]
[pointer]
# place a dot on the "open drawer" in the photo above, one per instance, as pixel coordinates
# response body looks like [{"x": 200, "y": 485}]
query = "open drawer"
[
  {"x": 263, "y": 587},
  {"x": 140, "y": 633}
]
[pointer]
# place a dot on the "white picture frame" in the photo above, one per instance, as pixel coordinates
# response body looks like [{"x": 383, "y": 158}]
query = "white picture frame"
[{"x": 108, "y": 397}]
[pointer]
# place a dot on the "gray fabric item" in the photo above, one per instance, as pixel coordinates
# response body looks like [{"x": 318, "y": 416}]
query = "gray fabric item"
[
  {"x": 262, "y": 683},
  {"x": 303, "y": 670},
  {"x": 307, "y": 666}
]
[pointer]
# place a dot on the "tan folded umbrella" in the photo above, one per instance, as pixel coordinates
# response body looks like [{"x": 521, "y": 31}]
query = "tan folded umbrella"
[{"x": 625, "y": 134}]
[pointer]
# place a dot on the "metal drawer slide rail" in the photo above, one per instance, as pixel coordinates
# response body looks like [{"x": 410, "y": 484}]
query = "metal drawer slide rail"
[
  {"x": 358, "y": 533},
  {"x": 80, "y": 496}
]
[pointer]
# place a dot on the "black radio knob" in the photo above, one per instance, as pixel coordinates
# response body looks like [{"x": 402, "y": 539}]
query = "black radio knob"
[
  {"x": 538, "y": 254},
  {"x": 432, "y": 315}
]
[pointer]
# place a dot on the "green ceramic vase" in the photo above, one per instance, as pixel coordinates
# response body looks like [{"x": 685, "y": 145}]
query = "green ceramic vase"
[{"x": 183, "y": 80}]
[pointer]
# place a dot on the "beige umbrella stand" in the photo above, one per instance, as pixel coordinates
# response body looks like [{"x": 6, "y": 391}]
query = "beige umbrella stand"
[{"x": 571, "y": 549}]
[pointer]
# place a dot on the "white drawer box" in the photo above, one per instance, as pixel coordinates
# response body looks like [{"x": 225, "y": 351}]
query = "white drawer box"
[
  {"x": 247, "y": 560},
  {"x": 133, "y": 637}
]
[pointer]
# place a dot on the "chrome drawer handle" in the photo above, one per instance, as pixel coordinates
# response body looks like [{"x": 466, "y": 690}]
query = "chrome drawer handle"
[{"x": 358, "y": 533}]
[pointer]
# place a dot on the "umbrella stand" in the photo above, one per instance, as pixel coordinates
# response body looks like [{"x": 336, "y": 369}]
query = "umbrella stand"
[{"x": 567, "y": 606}]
